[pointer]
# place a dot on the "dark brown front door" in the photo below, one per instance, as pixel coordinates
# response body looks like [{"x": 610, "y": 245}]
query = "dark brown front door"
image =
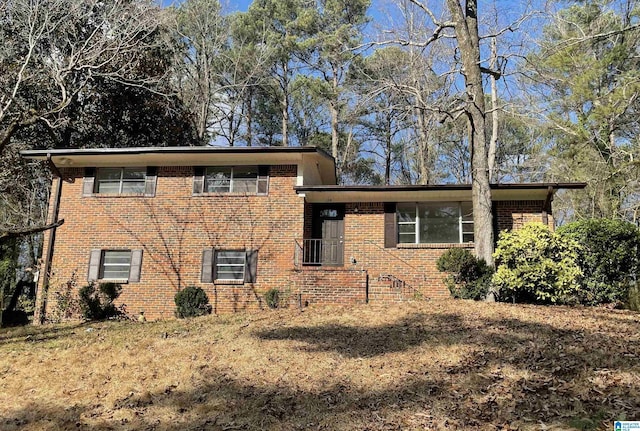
[{"x": 329, "y": 226}]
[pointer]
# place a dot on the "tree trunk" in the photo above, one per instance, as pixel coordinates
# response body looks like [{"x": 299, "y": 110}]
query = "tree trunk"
[
  {"x": 285, "y": 105},
  {"x": 285, "y": 120},
  {"x": 493, "y": 143},
  {"x": 423, "y": 147},
  {"x": 466, "y": 27},
  {"x": 387, "y": 161},
  {"x": 334, "y": 113},
  {"x": 205, "y": 89},
  {"x": 250, "y": 117}
]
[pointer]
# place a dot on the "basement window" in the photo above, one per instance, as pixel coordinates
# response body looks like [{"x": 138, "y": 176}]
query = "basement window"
[
  {"x": 229, "y": 266},
  {"x": 115, "y": 265}
]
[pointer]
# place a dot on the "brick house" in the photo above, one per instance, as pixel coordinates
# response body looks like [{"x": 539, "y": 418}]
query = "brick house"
[{"x": 241, "y": 221}]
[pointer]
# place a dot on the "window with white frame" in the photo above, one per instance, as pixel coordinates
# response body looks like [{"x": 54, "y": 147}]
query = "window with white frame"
[
  {"x": 116, "y": 264},
  {"x": 252, "y": 180},
  {"x": 119, "y": 181},
  {"x": 111, "y": 264},
  {"x": 435, "y": 222},
  {"x": 230, "y": 265}
]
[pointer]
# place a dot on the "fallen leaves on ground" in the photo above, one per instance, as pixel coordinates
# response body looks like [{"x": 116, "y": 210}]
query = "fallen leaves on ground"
[{"x": 453, "y": 365}]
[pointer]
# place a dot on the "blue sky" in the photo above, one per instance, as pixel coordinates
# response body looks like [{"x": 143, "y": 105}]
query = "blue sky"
[{"x": 385, "y": 12}]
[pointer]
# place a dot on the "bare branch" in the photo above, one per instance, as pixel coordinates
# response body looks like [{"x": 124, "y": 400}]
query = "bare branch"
[{"x": 18, "y": 233}]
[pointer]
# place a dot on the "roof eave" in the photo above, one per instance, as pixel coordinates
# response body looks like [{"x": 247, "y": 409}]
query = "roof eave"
[
  {"x": 416, "y": 193},
  {"x": 182, "y": 156}
]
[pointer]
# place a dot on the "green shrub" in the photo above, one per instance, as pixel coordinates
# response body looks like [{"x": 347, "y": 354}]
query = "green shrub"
[
  {"x": 534, "y": 264},
  {"x": 469, "y": 277},
  {"x": 192, "y": 301},
  {"x": 272, "y": 298},
  {"x": 97, "y": 303},
  {"x": 608, "y": 258}
]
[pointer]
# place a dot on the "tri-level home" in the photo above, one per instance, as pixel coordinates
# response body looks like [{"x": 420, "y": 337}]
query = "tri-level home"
[{"x": 241, "y": 221}]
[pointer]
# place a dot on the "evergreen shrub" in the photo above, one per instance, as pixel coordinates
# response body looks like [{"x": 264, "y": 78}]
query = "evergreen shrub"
[
  {"x": 468, "y": 277},
  {"x": 96, "y": 300},
  {"x": 192, "y": 301},
  {"x": 272, "y": 298},
  {"x": 536, "y": 265},
  {"x": 608, "y": 258}
]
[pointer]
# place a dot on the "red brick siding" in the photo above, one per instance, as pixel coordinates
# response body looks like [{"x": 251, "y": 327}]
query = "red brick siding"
[
  {"x": 173, "y": 228},
  {"x": 317, "y": 286},
  {"x": 515, "y": 214},
  {"x": 413, "y": 267}
]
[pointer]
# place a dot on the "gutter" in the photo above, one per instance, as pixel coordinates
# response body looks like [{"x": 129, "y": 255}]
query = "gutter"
[{"x": 52, "y": 238}]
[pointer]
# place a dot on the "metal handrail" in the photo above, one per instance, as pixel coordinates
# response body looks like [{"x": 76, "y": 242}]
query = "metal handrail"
[{"x": 314, "y": 251}]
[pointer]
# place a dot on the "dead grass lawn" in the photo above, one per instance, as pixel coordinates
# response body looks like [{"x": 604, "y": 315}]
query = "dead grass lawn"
[{"x": 451, "y": 365}]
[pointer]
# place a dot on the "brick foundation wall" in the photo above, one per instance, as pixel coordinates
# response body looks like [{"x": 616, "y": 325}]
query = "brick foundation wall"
[
  {"x": 173, "y": 228},
  {"x": 324, "y": 286}
]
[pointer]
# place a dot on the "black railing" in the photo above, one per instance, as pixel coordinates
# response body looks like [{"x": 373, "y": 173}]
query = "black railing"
[{"x": 320, "y": 252}]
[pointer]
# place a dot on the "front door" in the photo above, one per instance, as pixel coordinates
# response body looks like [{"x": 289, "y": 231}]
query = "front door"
[{"x": 329, "y": 227}]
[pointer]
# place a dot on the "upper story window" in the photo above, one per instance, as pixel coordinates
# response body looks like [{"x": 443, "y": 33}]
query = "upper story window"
[
  {"x": 231, "y": 179},
  {"x": 428, "y": 223},
  {"x": 120, "y": 181}
]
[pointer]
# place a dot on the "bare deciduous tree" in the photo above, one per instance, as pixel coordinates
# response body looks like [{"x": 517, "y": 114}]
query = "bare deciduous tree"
[{"x": 52, "y": 51}]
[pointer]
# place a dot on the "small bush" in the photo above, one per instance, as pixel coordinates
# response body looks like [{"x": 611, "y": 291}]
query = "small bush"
[
  {"x": 97, "y": 303},
  {"x": 272, "y": 298},
  {"x": 469, "y": 277},
  {"x": 65, "y": 298},
  {"x": 192, "y": 301},
  {"x": 608, "y": 258},
  {"x": 534, "y": 264}
]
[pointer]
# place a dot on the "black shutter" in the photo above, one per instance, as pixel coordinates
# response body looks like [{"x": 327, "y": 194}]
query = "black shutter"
[
  {"x": 94, "y": 265},
  {"x": 89, "y": 181},
  {"x": 198, "y": 180},
  {"x": 206, "y": 275},
  {"x": 390, "y": 226},
  {"x": 150, "y": 181},
  {"x": 136, "y": 265},
  {"x": 263, "y": 180},
  {"x": 251, "y": 268}
]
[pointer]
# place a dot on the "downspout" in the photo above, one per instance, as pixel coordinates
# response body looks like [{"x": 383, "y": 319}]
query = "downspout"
[
  {"x": 52, "y": 239},
  {"x": 546, "y": 208}
]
